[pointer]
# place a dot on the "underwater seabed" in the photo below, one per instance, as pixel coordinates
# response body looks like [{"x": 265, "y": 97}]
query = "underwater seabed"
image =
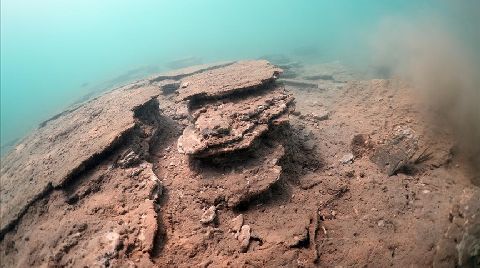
[{"x": 241, "y": 163}]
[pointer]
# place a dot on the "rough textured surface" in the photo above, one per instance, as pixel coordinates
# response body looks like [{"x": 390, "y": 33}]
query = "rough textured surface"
[
  {"x": 249, "y": 175},
  {"x": 64, "y": 146},
  {"x": 97, "y": 224},
  {"x": 240, "y": 76},
  {"x": 232, "y": 125},
  {"x": 226, "y": 133}
]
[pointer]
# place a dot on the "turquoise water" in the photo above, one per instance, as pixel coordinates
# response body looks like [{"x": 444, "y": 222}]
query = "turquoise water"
[{"x": 54, "y": 52}]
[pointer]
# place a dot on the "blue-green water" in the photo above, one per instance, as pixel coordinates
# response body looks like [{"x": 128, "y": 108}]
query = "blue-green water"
[{"x": 53, "y": 52}]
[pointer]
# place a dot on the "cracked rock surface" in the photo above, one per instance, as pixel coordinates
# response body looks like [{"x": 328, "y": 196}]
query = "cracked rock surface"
[
  {"x": 104, "y": 214},
  {"x": 63, "y": 146}
]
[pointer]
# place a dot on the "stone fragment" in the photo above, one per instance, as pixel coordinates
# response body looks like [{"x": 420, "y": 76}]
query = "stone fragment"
[
  {"x": 148, "y": 227},
  {"x": 110, "y": 242},
  {"x": 209, "y": 215},
  {"x": 129, "y": 159},
  {"x": 244, "y": 238},
  {"x": 347, "y": 158},
  {"x": 236, "y": 223},
  {"x": 360, "y": 145},
  {"x": 320, "y": 115},
  {"x": 301, "y": 239}
]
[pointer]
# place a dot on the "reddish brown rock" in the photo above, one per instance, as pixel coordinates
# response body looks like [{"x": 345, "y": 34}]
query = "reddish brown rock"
[
  {"x": 65, "y": 145},
  {"x": 237, "y": 77},
  {"x": 232, "y": 125}
]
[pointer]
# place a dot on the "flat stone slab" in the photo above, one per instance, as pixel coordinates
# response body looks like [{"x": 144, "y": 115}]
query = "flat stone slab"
[
  {"x": 220, "y": 82},
  {"x": 187, "y": 71},
  {"x": 64, "y": 145},
  {"x": 233, "y": 124}
]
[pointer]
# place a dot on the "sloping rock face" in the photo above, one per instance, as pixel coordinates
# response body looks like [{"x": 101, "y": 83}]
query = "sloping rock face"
[
  {"x": 69, "y": 142},
  {"x": 64, "y": 146},
  {"x": 107, "y": 220},
  {"x": 100, "y": 204}
]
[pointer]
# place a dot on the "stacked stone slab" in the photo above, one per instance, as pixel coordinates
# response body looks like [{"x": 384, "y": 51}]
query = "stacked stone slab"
[{"x": 231, "y": 109}]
